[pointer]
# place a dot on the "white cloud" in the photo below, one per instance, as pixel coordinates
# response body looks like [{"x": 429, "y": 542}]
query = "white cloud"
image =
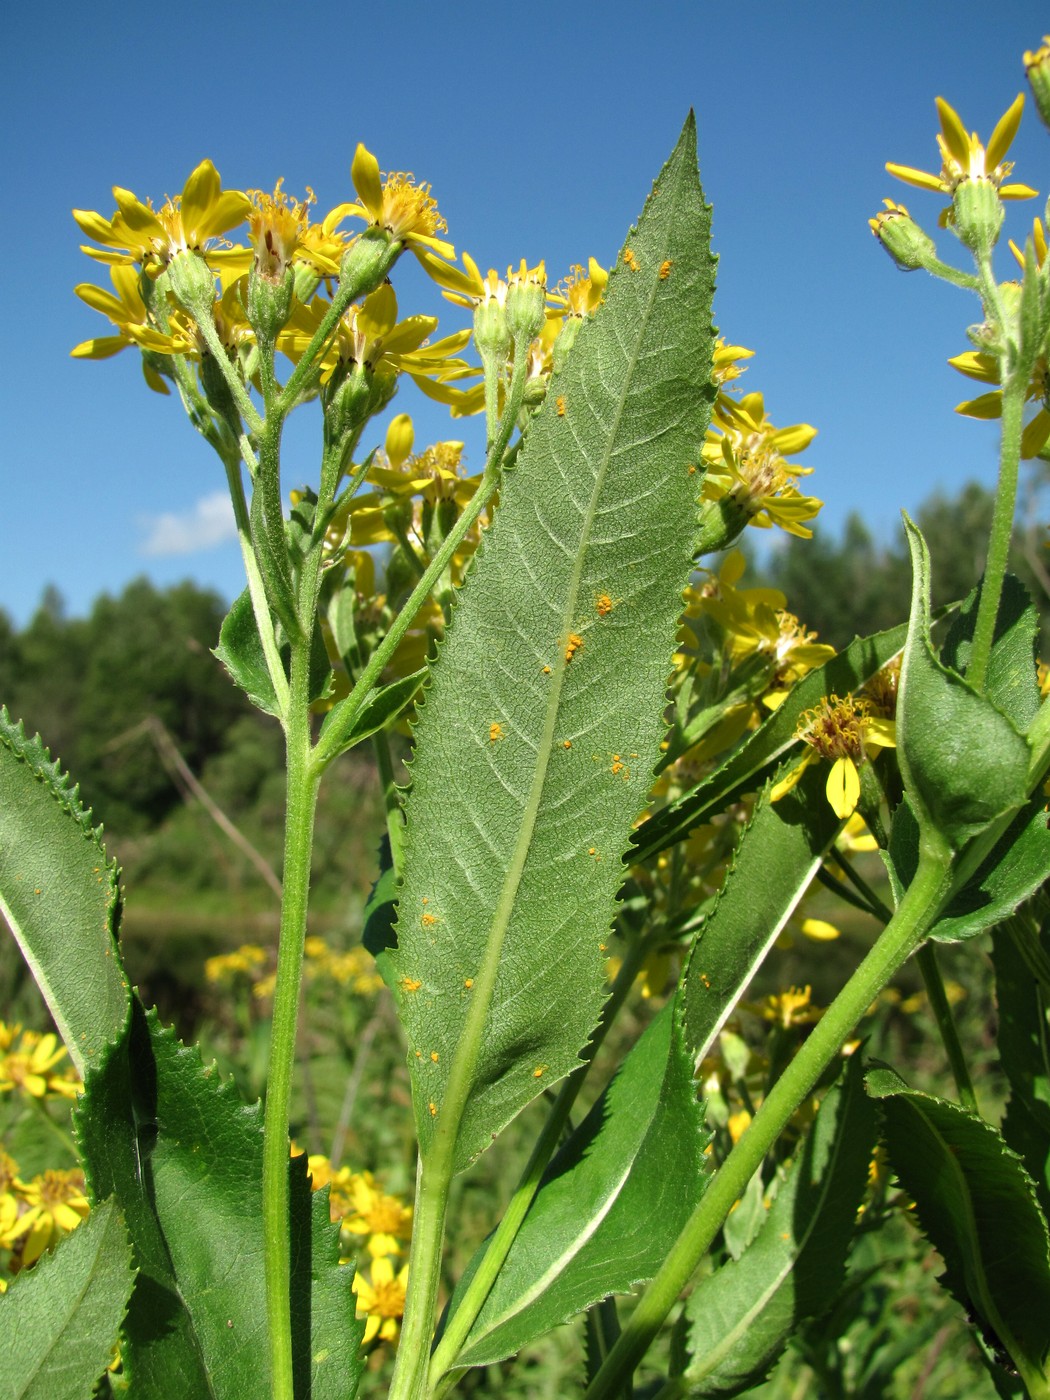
[{"x": 209, "y": 523}]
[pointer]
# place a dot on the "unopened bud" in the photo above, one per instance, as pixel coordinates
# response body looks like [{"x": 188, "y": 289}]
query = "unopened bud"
[
  {"x": 192, "y": 283},
  {"x": 269, "y": 303},
  {"x": 367, "y": 262},
  {"x": 1037, "y": 71},
  {"x": 908, "y": 245},
  {"x": 526, "y": 302},
  {"x": 977, "y": 214},
  {"x": 566, "y": 340}
]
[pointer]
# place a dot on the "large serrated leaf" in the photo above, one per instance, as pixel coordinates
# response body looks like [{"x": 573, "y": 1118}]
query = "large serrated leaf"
[
  {"x": 60, "y": 1320},
  {"x": 59, "y": 894},
  {"x": 964, "y": 763},
  {"x": 611, "y": 1205},
  {"x": 748, "y": 766},
  {"x": 741, "y": 1317},
  {"x": 182, "y": 1154},
  {"x": 540, "y": 731},
  {"x": 977, "y": 1205},
  {"x": 779, "y": 853}
]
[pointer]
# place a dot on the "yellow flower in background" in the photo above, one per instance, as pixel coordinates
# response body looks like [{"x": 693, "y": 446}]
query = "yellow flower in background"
[
  {"x": 57, "y": 1204},
  {"x": 28, "y": 1068},
  {"x": 976, "y": 364},
  {"x": 384, "y": 1219},
  {"x": 790, "y": 1008},
  {"x": 581, "y": 293},
  {"x": 964, "y": 158},
  {"x": 247, "y": 961},
  {"x": 125, "y": 307},
  {"x": 190, "y": 222},
  {"x": 381, "y": 1299},
  {"x": 846, "y": 733}
]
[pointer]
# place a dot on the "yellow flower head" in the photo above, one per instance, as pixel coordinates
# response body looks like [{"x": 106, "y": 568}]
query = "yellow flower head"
[
  {"x": 282, "y": 234},
  {"x": 386, "y": 1220},
  {"x": 963, "y": 157},
  {"x": 381, "y": 1299},
  {"x": 580, "y": 294},
  {"x": 189, "y": 222},
  {"x": 745, "y": 457},
  {"x": 845, "y": 733},
  {"x": 29, "y": 1067},
  {"x": 394, "y": 202},
  {"x": 57, "y": 1204}
]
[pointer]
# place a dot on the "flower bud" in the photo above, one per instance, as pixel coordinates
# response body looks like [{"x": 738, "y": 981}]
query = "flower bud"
[
  {"x": 491, "y": 333},
  {"x": 721, "y": 522},
  {"x": 269, "y": 302},
  {"x": 1037, "y": 71},
  {"x": 526, "y": 302},
  {"x": 566, "y": 340},
  {"x": 977, "y": 214},
  {"x": 193, "y": 284},
  {"x": 367, "y": 262},
  {"x": 908, "y": 245}
]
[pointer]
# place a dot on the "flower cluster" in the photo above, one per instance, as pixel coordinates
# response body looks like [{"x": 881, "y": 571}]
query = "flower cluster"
[
  {"x": 34, "y": 1214},
  {"x": 253, "y": 966},
  {"x": 31, "y": 1063},
  {"x": 375, "y": 1228}
]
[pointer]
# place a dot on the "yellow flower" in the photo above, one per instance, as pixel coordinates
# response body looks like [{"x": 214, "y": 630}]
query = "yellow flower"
[
  {"x": 964, "y": 158},
  {"x": 393, "y": 202},
  {"x": 846, "y": 733},
  {"x": 191, "y": 222},
  {"x": 371, "y": 335},
  {"x": 282, "y": 234},
  {"x": 129, "y": 313},
  {"x": 245, "y": 962},
  {"x": 745, "y": 458},
  {"x": 57, "y": 1204},
  {"x": 790, "y": 1008},
  {"x": 381, "y": 1298},
  {"x": 976, "y": 364},
  {"x": 29, "y": 1067},
  {"x": 580, "y": 294},
  {"x": 385, "y": 1219}
]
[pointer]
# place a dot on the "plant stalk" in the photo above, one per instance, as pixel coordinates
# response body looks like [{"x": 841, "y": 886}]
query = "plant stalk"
[{"x": 901, "y": 937}]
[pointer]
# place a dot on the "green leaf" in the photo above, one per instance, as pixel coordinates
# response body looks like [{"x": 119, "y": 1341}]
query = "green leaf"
[
  {"x": 1016, "y": 867},
  {"x": 161, "y": 1132},
  {"x": 963, "y": 762},
  {"x": 1023, "y": 1042},
  {"x": 60, "y": 1320},
  {"x": 541, "y": 728},
  {"x": 611, "y": 1204},
  {"x": 741, "y": 1316},
  {"x": 60, "y": 896},
  {"x": 778, "y": 856},
  {"x": 1012, "y": 683},
  {"x": 380, "y": 709},
  {"x": 748, "y": 766},
  {"x": 977, "y": 1205},
  {"x": 240, "y": 650}
]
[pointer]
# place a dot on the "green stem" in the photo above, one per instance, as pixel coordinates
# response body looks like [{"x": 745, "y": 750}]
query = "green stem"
[
  {"x": 395, "y": 826},
  {"x": 206, "y": 325},
  {"x": 934, "y": 983},
  {"x": 1001, "y": 532},
  {"x": 901, "y": 937},
  {"x": 303, "y": 782},
  {"x": 462, "y": 1320}
]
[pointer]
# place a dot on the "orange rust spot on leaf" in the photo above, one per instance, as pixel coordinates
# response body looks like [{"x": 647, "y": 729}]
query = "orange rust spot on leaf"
[
  {"x": 433, "y": 1109},
  {"x": 560, "y": 405},
  {"x": 572, "y": 645},
  {"x": 566, "y": 743},
  {"x": 496, "y": 732},
  {"x": 603, "y": 604},
  {"x": 630, "y": 259},
  {"x": 546, "y": 670},
  {"x": 468, "y": 982},
  {"x": 538, "y": 1071},
  {"x": 410, "y": 984},
  {"x": 665, "y": 269},
  {"x": 434, "y": 1056},
  {"x": 428, "y": 920}
]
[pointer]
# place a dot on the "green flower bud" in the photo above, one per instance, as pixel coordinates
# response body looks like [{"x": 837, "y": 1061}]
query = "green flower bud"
[
  {"x": 908, "y": 245},
  {"x": 565, "y": 341},
  {"x": 367, "y": 262},
  {"x": 526, "y": 302},
  {"x": 193, "y": 284},
  {"x": 491, "y": 333},
  {"x": 1037, "y": 71},
  {"x": 269, "y": 302},
  {"x": 721, "y": 522},
  {"x": 977, "y": 214}
]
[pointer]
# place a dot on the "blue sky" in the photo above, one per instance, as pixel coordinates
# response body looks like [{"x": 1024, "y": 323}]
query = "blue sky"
[{"x": 540, "y": 128}]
